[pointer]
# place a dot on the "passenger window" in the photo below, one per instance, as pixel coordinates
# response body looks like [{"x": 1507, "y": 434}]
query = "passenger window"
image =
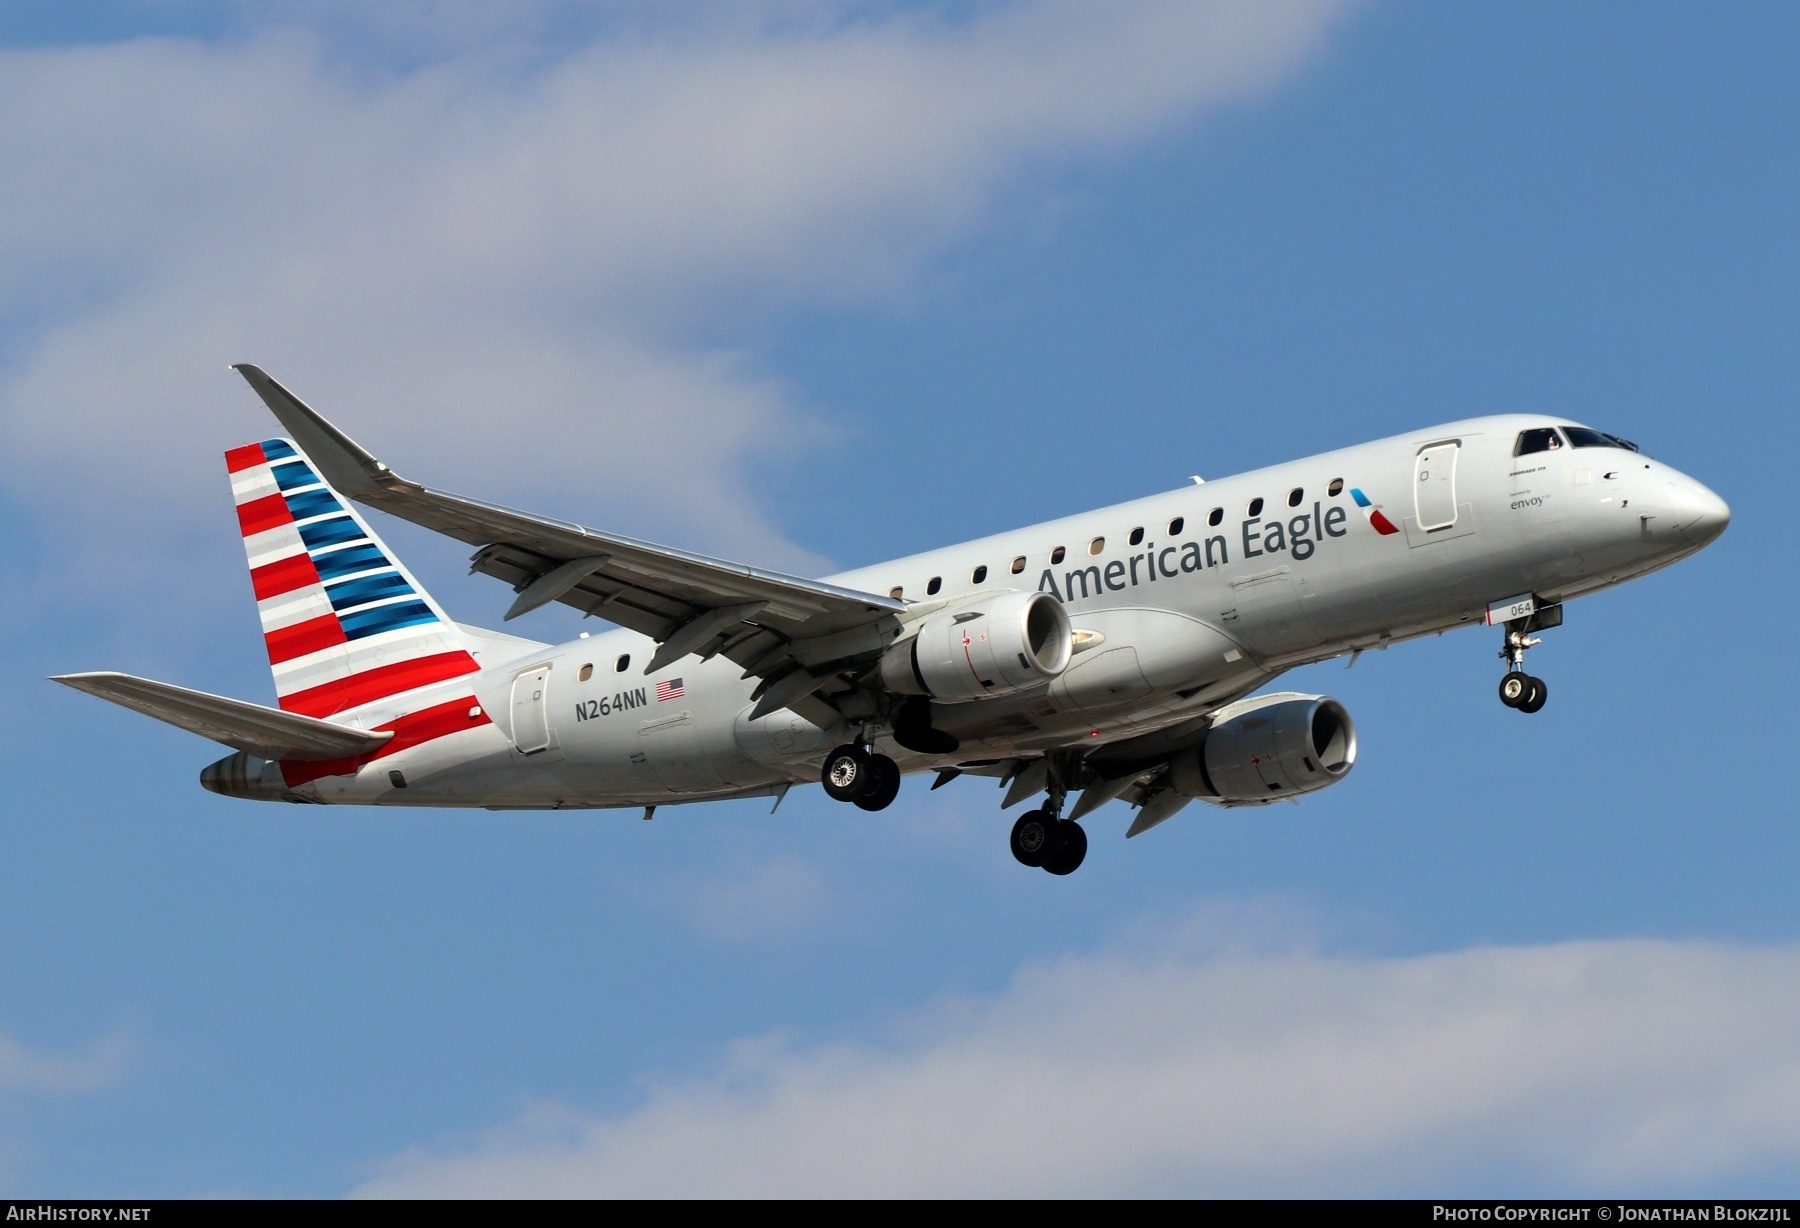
[
  {"x": 1056, "y": 555},
  {"x": 1336, "y": 488},
  {"x": 1175, "y": 526},
  {"x": 622, "y": 664},
  {"x": 1256, "y": 506},
  {"x": 933, "y": 585},
  {"x": 1137, "y": 536},
  {"x": 1215, "y": 516},
  {"x": 1018, "y": 565},
  {"x": 897, "y": 592},
  {"x": 1097, "y": 545},
  {"x": 1581, "y": 437},
  {"x": 587, "y": 671},
  {"x": 980, "y": 574},
  {"x": 1542, "y": 439},
  {"x": 1295, "y": 495}
]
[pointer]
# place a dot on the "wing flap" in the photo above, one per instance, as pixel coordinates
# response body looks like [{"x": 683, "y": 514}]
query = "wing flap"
[{"x": 265, "y": 732}]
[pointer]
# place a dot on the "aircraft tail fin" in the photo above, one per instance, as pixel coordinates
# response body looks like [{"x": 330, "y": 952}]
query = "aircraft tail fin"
[{"x": 346, "y": 625}]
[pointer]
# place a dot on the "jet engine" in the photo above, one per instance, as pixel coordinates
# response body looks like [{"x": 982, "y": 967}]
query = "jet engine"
[
  {"x": 1268, "y": 748},
  {"x": 996, "y": 646}
]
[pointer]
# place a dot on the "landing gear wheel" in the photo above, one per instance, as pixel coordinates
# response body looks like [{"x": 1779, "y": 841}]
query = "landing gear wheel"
[
  {"x": 1074, "y": 848},
  {"x": 1515, "y": 688},
  {"x": 848, "y": 773},
  {"x": 1036, "y": 838},
  {"x": 884, "y": 784},
  {"x": 1539, "y": 695}
]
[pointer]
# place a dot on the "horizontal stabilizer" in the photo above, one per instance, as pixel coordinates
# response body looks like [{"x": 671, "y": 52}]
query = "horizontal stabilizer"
[{"x": 265, "y": 732}]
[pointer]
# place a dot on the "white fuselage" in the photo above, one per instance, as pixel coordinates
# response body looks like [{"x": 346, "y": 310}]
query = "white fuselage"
[{"x": 1171, "y": 622}]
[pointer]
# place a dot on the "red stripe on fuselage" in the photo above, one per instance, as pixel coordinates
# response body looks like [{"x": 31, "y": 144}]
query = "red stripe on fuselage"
[
  {"x": 1382, "y": 524},
  {"x": 312, "y": 635},
  {"x": 239, "y": 459},
  {"x": 283, "y": 576},
  {"x": 379, "y": 683},
  {"x": 259, "y": 515},
  {"x": 410, "y": 730}
]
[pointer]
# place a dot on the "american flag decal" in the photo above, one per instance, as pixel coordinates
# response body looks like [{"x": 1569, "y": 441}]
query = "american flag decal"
[{"x": 669, "y": 688}]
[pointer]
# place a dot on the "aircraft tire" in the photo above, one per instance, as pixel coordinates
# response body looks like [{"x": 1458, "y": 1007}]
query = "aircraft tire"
[
  {"x": 884, "y": 784},
  {"x": 1074, "y": 850},
  {"x": 1036, "y": 838},
  {"x": 847, "y": 773},
  {"x": 1540, "y": 694},
  {"x": 1515, "y": 688}
]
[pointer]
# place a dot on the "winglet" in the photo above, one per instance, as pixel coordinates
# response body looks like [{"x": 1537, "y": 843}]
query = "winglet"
[{"x": 346, "y": 464}]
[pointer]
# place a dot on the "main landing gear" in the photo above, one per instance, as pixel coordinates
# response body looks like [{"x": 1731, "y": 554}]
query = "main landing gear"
[
  {"x": 1043, "y": 841},
  {"x": 860, "y": 776}
]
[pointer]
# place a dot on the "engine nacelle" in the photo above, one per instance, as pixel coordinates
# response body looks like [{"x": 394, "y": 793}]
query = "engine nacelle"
[
  {"x": 1268, "y": 748},
  {"x": 996, "y": 646}
]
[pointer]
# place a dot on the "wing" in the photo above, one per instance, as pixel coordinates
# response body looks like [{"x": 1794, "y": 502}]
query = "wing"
[
  {"x": 797, "y": 635},
  {"x": 264, "y": 732}
]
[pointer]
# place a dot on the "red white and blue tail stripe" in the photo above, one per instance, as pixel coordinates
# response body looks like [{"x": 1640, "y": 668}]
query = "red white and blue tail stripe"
[{"x": 346, "y": 625}]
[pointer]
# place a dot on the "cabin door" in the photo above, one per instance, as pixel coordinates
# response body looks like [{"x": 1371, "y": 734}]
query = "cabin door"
[
  {"x": 1434, "y": 486},
  {"x": 530, "y": 711}
]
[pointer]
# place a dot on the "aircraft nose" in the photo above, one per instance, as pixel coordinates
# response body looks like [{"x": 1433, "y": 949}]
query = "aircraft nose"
[{"x": 1699, "y": 514}]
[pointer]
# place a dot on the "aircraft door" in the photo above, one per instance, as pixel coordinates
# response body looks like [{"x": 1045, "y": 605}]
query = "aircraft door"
[
  {"x": 1434, "y": 486},
  {"x": 530, "y": 711}
]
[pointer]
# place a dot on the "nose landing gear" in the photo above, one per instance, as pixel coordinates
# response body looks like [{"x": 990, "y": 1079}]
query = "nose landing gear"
[
  {"x": 1519, "y": 689},
  {"x": 1522, "y": 691}
]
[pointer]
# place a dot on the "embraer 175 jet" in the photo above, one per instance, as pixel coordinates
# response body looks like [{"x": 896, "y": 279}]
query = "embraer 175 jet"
[{"x": 1109, "y": 655}]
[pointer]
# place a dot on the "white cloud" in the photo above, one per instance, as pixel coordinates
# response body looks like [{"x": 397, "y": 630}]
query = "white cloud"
[
  {"x": 492, "y": 266},
  {"x": 26, "y": 1073},
  {"x": 1634, "y": 1065},
  {"x": 25, "y": 1070},
  {"x": 755, "y": 903},
  {"x": 740, "y": 904}
]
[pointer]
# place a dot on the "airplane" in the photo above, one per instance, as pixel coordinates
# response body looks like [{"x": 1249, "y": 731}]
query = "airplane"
[{"x": 1111, "y": 655}]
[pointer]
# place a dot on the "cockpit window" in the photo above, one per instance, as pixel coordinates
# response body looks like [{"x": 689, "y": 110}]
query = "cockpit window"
[
  {"x": 1581, "y": 437},
  {"x": 1543, "y": 439}
]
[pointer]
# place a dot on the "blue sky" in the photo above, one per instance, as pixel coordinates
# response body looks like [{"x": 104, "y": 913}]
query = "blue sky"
[{"x": 813, "y": 287}]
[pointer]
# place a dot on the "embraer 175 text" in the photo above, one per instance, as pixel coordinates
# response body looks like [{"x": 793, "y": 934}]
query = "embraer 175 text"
[{"x": 1108, "y": 655}]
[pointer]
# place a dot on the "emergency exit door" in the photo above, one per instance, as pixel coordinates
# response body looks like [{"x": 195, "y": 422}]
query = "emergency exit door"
[{"x": 1434, "y": 486}]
